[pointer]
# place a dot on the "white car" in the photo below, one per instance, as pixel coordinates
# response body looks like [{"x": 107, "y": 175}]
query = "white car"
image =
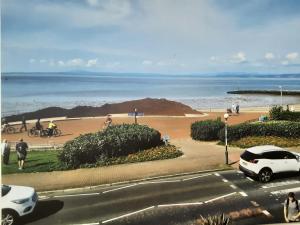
[
  {"x": 266, "y": 160},
  {"x": 16, "y": 201}
]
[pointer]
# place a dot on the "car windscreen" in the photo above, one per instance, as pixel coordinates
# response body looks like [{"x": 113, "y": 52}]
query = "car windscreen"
[
  {"x": 250, "y": 156},
  {"x": 5, "y": 190}
]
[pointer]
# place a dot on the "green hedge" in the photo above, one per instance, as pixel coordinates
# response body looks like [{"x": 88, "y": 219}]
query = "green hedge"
[
  {"x": 115, "y": 141},
  {"x": 280, "y": 129},
  {"x": 206, "y": 130},
  {"x": 277, "y": 113}
]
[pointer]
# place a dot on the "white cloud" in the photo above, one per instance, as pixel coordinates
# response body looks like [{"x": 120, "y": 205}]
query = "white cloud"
[
  {"x": 61, "y": 63},
  {"x": 285, "y": 62},
  {"x": 43, "y": 60},
  {"x": 269, "y": 56},
  {"x": 32, "y": 60},
  {"x": 92, "y": 62},
  {"x": 239, "y": 57},
  {"x": 213, "y": 58},
  {"x": 75, "y": 62},
  {"x": 147, "y": 62},
  {"x": 292, "y": 56}
]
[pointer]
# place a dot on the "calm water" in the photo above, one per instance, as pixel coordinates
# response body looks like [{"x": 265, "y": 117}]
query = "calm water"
[{"x": 26, "y": 92}]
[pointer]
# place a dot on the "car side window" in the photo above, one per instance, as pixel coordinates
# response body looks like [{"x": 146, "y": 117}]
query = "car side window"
[
  {"x": 288, "y": 155},
  {"x": 274, "y": 155}
]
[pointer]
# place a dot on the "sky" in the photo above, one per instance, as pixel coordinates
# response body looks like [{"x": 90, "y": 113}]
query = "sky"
[{"x": 156, "y": 36}]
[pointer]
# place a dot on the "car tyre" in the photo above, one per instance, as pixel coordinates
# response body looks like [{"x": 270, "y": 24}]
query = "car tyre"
[
  {"x": 265, "y": 175},
  {"x": 9, "y": 217}
]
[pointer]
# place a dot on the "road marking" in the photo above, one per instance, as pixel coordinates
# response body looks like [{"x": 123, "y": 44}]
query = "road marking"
[
  {"x": 278, "y": 184},
  {"x": 223, "y": 196},
  {"x": 128, "y": 214},
  {"x": 243, "y": 194},
  {"x": 266, "y": 213},
  {"x": 181, "y": 204},
  {"x": 249, "y": 178},
  {"x": 224, "y": 180},
  {"x": 254, "y": 203},
  {"x": 86, "y": 194},
  {"x": 87, "y": 224},
  {"x": 217, "y": 174},
  {"x": 233, "y": 186},
  {"x": 155, "y": 182},
  {"x": 42, "y": 197},
  {"x": 159, "y": 182},
  {"x": 285, "y": 191},
  {"x": 191, "y": 178},
  {"x": 116, "y": 189}
]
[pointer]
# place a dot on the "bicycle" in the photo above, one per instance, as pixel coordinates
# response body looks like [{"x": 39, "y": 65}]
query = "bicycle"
[
  {"x": 8, "y": 129},
  {"x": 56, "y": 133},
  {"x": 33, "y": 132}
]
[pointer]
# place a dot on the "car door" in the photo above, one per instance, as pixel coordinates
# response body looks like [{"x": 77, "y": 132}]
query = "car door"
[
  {"x": 274, "y": 160},
  {"x": 290, "y": 162}
]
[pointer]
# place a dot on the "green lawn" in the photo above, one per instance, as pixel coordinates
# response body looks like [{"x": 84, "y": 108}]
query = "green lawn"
[
  {"x": 46, "y": 161},
  {"x": 37, "y": 161}
]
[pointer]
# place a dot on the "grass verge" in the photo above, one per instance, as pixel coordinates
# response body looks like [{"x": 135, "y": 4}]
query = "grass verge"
[
  {"x": 37, "y": 161},
  {"x": 47, "y": 161}
]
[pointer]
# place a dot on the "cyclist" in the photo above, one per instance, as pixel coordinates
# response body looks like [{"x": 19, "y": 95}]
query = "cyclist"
[{"x": 51, "y": 127}]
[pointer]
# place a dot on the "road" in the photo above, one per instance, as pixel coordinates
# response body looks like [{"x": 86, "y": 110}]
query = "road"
[{"x": 177, "y": 200}]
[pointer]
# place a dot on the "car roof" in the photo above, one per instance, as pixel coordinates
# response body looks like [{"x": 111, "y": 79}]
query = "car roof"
[{"x": 264, "y": 148}]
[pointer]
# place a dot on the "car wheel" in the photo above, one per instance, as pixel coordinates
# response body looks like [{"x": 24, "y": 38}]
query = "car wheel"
[
  {"x": 9, "y": 217},
  {"x": 265, "y": 175}
]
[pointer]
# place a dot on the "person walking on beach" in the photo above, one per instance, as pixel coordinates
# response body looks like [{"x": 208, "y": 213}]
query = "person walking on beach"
[
  {"x": 23, "y": 124},
  {"x": 291, "y": 208},
  {"x": 108, "y": 121},
  {"x": 233, "y": 108},
  {"x": 237, "y": 108},
  {"x": 21, "y": 148},
  {"x": 5, "y": 151},
  {"x": 38, "y": 126}
]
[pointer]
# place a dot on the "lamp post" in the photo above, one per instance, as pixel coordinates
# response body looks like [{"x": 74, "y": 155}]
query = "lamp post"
[
  {"x": 226, "y": 115},
  {"x": 135, "y": 115},
  {"x": 281, "y": 95}
]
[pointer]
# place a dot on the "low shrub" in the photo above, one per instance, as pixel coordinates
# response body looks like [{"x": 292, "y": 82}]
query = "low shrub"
[
  {"x": 278, "y": 113},
  {"x": 280, "y": 129},
  {"x": 206, "y": 130},
  {"x": 115, "y": 141},
  {"x": 156, "y": 153},
  {"x": 248, "y": 142}
]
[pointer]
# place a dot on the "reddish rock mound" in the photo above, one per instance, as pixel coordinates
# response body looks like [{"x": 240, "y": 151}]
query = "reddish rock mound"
[{"x": 148, "y": 106}]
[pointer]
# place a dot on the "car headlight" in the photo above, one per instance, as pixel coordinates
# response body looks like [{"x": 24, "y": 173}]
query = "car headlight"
[{"x": 21, "y": 201}]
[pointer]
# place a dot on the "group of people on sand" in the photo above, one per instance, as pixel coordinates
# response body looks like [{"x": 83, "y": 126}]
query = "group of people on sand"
[{"x": 235, "y": 108}]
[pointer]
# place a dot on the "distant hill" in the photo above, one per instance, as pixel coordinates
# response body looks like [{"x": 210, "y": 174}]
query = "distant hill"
[{"x": 148, "y": 106}]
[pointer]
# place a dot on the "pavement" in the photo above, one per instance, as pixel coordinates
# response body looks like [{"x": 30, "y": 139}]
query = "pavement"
[
  {"x": 198, "y": 156},
  {"x": 178, "y": 200}
]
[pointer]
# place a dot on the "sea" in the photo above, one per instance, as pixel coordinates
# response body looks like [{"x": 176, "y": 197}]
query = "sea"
[{"x": 25, "y": 92}]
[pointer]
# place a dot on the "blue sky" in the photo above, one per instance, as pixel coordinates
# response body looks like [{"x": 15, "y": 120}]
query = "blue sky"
[{"x": 157, "y": 36}]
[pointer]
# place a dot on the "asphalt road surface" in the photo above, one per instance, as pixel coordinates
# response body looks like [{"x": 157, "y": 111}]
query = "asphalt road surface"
[{"x": 177, "y": 200}]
